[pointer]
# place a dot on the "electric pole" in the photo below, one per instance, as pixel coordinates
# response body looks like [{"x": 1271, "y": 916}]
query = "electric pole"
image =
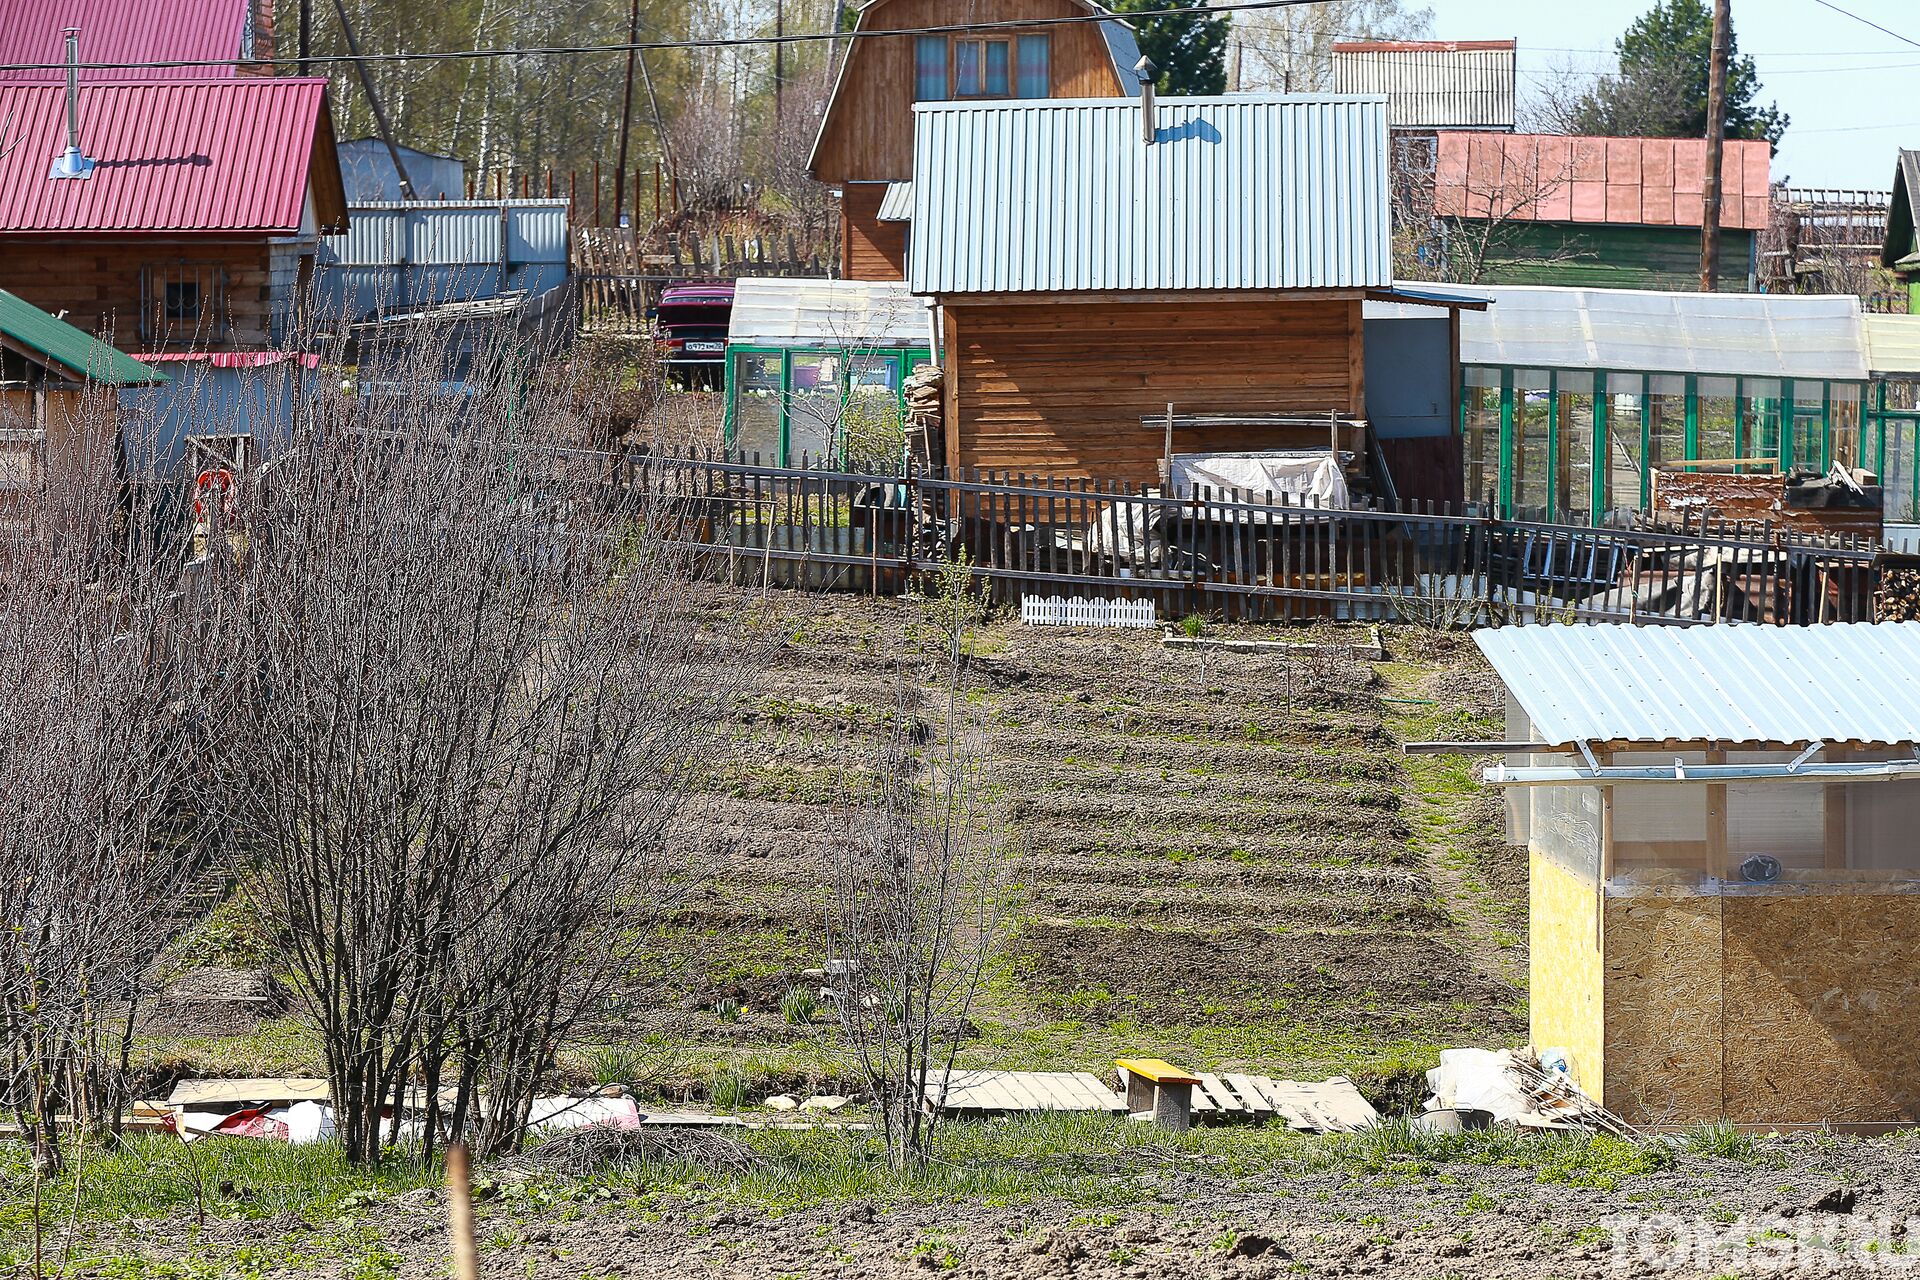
[
  {"x": 626, "y": 119},
  {"x": 1716, "y": 144},
  {"x": 779, "y": 63}
]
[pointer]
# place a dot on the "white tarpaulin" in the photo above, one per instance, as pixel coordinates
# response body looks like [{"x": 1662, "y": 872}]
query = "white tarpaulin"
[{"x": 1297, "y": 474}]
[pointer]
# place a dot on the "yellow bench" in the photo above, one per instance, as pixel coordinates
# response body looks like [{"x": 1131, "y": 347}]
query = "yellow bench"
[{"x": 1158, "y": 1091}]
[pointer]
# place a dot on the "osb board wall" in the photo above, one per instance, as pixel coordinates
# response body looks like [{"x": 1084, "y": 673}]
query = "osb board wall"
[
  {"x": 1662, "y": 1008},
  {"x": 1823, "y": 1009},
  {"x": 1564, "y": 969}
]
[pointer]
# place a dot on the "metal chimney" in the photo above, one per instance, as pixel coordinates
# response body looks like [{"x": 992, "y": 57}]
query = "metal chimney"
[
  {"x": 1146, "y": 71},
  {"x": 73, "y": 162}
]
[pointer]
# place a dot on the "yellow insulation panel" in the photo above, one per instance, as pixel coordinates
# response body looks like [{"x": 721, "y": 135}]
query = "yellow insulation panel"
[{"x": 1564, "y": 972}]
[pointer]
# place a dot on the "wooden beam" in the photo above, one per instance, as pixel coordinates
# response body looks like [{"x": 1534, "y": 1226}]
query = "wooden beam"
[
  {"x": 1716, "y": 850},
  {"x": 1445, "y": 748}
]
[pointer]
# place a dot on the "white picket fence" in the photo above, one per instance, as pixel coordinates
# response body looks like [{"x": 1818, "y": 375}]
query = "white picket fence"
[{"x": 1078, "y": 611}]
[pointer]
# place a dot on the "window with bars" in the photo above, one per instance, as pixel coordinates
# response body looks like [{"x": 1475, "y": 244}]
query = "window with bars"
[{"x": 183, "y": 302}]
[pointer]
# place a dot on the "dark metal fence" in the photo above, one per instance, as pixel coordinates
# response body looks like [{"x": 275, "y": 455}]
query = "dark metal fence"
[{"x": 1240, "y": 555}]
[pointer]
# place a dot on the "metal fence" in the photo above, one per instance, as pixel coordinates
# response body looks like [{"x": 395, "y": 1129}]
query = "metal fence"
[{"x": 1236, "y": 554}]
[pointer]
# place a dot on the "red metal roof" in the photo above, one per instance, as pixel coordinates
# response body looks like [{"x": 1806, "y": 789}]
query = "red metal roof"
[
  {"x": 190, "y": 155},
  {"x": 1624, "y": 181},
  {"x": 125, "y": 33}
]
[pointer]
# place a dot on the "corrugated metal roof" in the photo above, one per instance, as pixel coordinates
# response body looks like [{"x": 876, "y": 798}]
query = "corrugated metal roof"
[
  {"x": 1433, "y": 84},
  {"x": 194, "y": 155},
  {"x": 897, "y": 204},
  {"x": 1760, "y": 335},
  {"x": 1244, "y": 192},
  {"x": 1893, "y": 343},
  {"x": 776, "y": 312},
  {"x": 73, "y": 349},
  {"x": 1618, "y": 181},
  {"x": 1858, "y": 682},
  {"x": 124, "y": 34}
]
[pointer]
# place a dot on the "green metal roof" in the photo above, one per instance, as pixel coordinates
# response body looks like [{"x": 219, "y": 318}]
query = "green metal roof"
[{"x": 73, "y": 349}]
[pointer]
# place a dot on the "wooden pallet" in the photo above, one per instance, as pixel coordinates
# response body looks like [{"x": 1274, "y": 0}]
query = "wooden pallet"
[
  {"x": 999, "y": 1092},
  {"x": 1330, "y": 1106}
]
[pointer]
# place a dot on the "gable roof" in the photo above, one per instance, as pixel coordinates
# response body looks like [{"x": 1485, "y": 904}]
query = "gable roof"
[
  {"x": 1899, "y": 249},
  {"x": 1619, "y": 181},
  {"x": 1117, "y": 33},
  {"x": 125, "y": 34},
  {"x": 1060, "y": 195},
  {"x": 79, "y": 353},
  {"x": 235, "y": 155},
  {"x": 1616, "y": 682}
]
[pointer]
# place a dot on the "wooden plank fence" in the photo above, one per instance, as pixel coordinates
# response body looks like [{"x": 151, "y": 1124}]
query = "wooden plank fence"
[{"x": 1255, "y": 556}]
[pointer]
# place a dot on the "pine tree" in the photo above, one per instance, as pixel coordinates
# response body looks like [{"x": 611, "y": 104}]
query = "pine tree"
[{"x": 1190, "y": 52}]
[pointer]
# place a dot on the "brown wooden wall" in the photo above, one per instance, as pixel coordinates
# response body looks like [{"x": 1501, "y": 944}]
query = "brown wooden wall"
[
  {"x": 1059, "y": 388},
  {"x": 869, "y": 248},
  {"x": 96, "y": 281},
  {"x": 868, "y": 134}
]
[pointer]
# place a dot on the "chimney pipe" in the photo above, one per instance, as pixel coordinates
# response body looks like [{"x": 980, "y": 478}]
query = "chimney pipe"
[
  {"x": 1146, "y": 71},
  {"x": 73, "y": 162}
]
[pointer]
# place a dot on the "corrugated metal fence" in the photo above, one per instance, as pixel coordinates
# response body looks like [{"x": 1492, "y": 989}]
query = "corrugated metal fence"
[{"x": 403, "y": 255}]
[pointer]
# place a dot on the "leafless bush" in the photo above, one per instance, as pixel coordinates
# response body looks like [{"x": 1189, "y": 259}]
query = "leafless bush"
[
  {"x": 99, "y": 841},
  {"x": 917, "y": 884},
  {"x": 468, "y": 702}
]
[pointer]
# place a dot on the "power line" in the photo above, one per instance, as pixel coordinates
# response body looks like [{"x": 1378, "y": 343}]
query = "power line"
[
  {"x": 717, "y": 42},
  {"x": 1828, "y": 4}
]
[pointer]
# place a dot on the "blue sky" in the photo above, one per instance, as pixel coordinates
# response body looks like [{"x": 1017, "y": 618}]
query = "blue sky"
[{"x": 1851, "y": 90}]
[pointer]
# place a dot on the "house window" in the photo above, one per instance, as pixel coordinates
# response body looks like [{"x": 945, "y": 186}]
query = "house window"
[
  {"x": 980, "y": 68},
  {"x": 930, "y": 69},
  {"x": 184, "y": 302},
  {"x": 1033, "y": 78}
]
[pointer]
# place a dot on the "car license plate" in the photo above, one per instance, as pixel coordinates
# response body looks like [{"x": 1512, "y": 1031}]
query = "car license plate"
[{"x": 706, "y": 348}]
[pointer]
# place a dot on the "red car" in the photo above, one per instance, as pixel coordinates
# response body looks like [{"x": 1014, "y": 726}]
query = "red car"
[{"x": 690, "y": 328}]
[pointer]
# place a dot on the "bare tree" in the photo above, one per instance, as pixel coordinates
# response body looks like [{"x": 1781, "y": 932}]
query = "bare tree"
[
  {"x": 467, "y": 705},
  {"x": 1290, "y": 50},
  {"x": 1495, "y": 213},
  {"x": 917, "y": 885},
  {"x": 99, "y": 843}
]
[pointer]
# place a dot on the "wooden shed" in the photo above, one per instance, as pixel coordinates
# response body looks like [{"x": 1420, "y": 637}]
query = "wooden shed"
[
  {"x": 46, "y": 369},
  {"x": 865, "y": 144},
  {"x": 1098, "y": 261},
  {"x": 1725, "y": 887}
]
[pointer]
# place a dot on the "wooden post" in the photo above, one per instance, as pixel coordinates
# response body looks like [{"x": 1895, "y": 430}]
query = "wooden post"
[
  {"x": 1716, "y": 855},
  {"x": 1716, "y": 145},
  {"x": 466, "y": 1255}
]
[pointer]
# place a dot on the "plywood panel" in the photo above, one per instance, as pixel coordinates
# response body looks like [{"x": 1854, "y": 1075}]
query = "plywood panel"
[
  {"x": 868, "y": 133},
  {"x": 870, "y": 249},
  {"x": 1564, "y": 969},
  {"x": 1060, "y": 389},
  {"x": 1663, "y": 1049}
]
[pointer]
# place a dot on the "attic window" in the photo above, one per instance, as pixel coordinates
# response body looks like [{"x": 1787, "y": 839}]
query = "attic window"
[{"x": 980, "y": 68}]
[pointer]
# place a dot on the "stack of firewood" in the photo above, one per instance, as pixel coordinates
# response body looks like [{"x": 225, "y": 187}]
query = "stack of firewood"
[
  {"x": 1899, "y": 595},
  {"x": 925, "y": 390}
]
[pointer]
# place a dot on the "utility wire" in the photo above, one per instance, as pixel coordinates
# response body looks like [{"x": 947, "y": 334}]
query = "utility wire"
[
  {"x": 717, "y": 42},
  {"x": 1828, "y": 4}
]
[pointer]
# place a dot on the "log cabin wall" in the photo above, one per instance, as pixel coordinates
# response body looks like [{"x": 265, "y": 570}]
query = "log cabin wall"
[
  {"x": 1058, "y": 388},
  {"x": 97, "y": 282},
  {"x": 868, "y": 133},
  {"x": 871, "y": 249}
]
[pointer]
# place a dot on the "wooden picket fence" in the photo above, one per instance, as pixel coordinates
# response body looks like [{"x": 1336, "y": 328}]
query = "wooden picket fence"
[{"x": 1234, "y": 554}]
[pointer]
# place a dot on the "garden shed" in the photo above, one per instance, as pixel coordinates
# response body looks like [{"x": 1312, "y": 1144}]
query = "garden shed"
[
  {"x": 1572, "y": 399},
  {"x": 808, "y": 360},
  {"x": 1725, "y": 887}
]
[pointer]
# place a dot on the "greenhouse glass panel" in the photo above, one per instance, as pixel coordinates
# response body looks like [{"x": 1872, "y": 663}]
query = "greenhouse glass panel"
[
  {"x": 1667, "y": 400},
  {"x": 1805, "y": 446},
  {"x": 1761, "y": 427},
  {"x": 1844, "y": 428},
  {"x": 1715, "y": 416},
  {"x": 813, "y": 407},
  {"x": 1480, "y": 406},
  {"x": 1622, "y": 469},
  {"x": 1532, "y": 406},
  {"x": 756, "y": 404},
  {"x": 1573, "y": 463},
  {"x": 1898, "y": 480}
]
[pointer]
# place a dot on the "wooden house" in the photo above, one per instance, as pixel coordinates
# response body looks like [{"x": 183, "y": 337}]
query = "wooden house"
[
  {"x": 1096, "y": 264},
  {"x": 865, "y": 144},
  {"x": 1900, "y": 253},
  {"x": 47, "y": 368},
  {"x": 198, "y": 194},
  {"x": 1724, "y": 884}
]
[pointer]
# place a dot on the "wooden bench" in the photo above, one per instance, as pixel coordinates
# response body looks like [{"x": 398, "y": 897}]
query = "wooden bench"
[{"x": 1158, "y": 1091}]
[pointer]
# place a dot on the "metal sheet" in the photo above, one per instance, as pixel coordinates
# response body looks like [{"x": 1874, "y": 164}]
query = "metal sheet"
[
  {"x": 1751, "y": 334},
  {"x": 1857, "y": 682},
  {"x": 124, "y": 32},
  {"x": 398, "y": 255},
  {"x": 200, "y": 155},
  {"x": 1063, "y": 195},
  {"x": 1893, "y": 344},
  {"x": 1433, "y": 84},
  {"x": 897, "y": 204},
  {"x": 777, "y": 312}
]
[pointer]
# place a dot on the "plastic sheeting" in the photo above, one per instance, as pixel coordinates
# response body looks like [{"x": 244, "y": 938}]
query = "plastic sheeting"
[
  {"x": 841, "y": 314},
  {"x": 1303, "y": 475}
]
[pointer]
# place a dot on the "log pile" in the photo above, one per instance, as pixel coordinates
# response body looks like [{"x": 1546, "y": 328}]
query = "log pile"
[
  {"x": 1899, "y": 595},
  {"x": 925, "y": 391}
]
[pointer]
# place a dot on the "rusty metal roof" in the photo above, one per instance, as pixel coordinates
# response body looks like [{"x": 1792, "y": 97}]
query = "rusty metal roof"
[
  {"x": 187, "y": 156},
  {"x": 1613, "y": 682},
  {"x": 124, "y": 35},
  {"x": 1620, "y": 181}
]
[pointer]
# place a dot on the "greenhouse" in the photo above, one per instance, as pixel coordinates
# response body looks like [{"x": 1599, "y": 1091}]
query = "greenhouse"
[
  {"x": 1571, "y": 399},
  {"x": 816, "y": 369}
]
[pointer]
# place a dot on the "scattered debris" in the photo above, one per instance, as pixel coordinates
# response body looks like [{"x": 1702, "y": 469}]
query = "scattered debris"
[
  {"x": 825, "y": 1102},
  {"x": 782, "y": 1102},
  {"x": 550, "y": 1115},
  {"x": 1334, "y": 1105},
  {"x": 1512, "y": 1089},
  {"x": 580, "y": 1152},
  {"x": 996, "y": 1092}
]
